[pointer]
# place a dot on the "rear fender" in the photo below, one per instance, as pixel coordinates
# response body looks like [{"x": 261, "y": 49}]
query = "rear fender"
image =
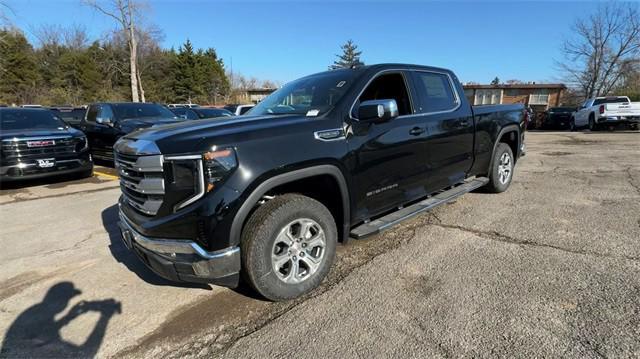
[{"x": 506, "y": 129}]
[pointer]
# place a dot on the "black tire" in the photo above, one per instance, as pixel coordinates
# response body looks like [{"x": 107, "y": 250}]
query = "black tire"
[
  {"x": 259, "y": 244},
  {"x": 593, "y": 126},
  {"x": 572, "y": 125},
  {"x": 86, "y": 174},
  {"x": 634, "y": 126},
  {"x": 496, "y": 185}
]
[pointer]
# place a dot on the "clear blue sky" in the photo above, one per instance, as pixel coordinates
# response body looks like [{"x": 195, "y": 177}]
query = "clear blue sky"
[{"x": 281, "y": 40}]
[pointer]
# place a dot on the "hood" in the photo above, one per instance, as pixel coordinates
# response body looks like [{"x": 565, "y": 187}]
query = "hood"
[
  {"x": 193, "y": 132},
  {"x": 60, "y": 131},
  {"x": 133, "y": 124}
]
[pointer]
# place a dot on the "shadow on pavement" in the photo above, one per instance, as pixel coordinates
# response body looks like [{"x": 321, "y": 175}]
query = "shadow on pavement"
[
  {"x": 36, "y": 332},
  {"x": 129, "y": 259},
  {"x": 53, "y": 180}
]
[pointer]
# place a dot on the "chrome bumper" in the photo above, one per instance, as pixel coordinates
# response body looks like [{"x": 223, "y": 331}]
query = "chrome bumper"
[{"x": 181, "y": 260}]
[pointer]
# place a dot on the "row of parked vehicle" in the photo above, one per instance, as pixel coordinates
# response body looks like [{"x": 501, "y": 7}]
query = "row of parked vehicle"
[
  {"x": 40, "y": 142},
  {"x": 595, "y": 114}
]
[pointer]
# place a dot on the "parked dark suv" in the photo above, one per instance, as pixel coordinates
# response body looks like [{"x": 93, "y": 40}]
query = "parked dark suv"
[
  {"x": 558, "y": 118},
  {"x": 36, "y": 144},
  {"x": 106, "y": 122}
]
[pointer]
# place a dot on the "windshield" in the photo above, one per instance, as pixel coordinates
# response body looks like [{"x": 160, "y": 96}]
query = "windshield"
[
  {"x": 28, "y": 120},
  {"x": 140, "y": 110},
  {"x": 212, "y": 112},
  {"x": 70, "y": 115},
  {"x": 184, "y": 113},
  {"x": 600, "y": 101},
  {"x": 311, "y": 96}
]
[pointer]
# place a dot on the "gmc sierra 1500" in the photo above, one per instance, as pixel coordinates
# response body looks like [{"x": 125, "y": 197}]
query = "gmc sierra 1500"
[{"x": 339, "y": 154}]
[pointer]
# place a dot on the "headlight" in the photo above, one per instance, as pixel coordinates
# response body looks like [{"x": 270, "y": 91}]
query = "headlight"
[
  {"x": 191, "y": 176},
  {"x": 218, "y": 165},
  {"x": 82, "y": 144}
]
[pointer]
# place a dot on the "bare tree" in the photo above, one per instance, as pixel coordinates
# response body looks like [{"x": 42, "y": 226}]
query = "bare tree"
[
  {"x": 595, "y": 58},
  {"x": 75, "y": 37},
  {"x": 125, "y": 13},
  {"x": 4, "y": 16}
]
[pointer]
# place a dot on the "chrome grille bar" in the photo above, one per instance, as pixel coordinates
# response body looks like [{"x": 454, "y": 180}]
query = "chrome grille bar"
[{"x": 141, "y": 181}]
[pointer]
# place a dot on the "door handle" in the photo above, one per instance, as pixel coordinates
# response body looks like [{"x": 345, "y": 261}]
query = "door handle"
[
  {"x": 417, "y": 131},
  {"x": 464, "y": 123}
]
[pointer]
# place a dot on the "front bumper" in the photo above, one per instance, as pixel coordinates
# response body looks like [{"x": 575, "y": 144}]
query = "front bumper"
[
  {"x": 182, "y": 260},
  {"x": 30, "y": 170},
  {"x": 619, "y": 119}
]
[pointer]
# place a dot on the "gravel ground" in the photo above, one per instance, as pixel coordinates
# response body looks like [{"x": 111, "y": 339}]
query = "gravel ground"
[{"x": 550, "y": 268}]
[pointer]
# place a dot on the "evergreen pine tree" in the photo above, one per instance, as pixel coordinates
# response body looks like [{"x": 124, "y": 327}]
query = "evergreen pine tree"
[
  {"x": 350, "y": 57},
  {"x": 184, "y": 69},
  {"x": 18, "y": 72}
]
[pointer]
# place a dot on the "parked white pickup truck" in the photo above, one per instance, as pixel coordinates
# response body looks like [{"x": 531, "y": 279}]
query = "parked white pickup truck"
[{"x": 601, "y": 111}]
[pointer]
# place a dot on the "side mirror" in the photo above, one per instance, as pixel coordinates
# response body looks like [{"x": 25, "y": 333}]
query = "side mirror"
[
  {"x": 104, "y": 121},
  {"x": 378, "y": 110}
]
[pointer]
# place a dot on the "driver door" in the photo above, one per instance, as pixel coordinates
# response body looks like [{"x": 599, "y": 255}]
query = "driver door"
[
  {"x": 101, "y": 136},
  {"x": 388, "y": 159}
]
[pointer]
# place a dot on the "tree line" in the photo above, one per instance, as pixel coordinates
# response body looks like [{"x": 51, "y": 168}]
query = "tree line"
[{"x": 68, "y": 69}]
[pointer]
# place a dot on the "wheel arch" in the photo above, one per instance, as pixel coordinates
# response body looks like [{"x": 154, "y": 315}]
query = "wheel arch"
[
  {"x": 515, "y": 145},
  {"x": 276, "y": 181}
]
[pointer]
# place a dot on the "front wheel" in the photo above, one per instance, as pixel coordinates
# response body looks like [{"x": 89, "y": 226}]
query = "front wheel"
[
  {"x": 501, "y": 169},
  {"x": 288, "y": 246},
  {"x": 572, "y": 125}
]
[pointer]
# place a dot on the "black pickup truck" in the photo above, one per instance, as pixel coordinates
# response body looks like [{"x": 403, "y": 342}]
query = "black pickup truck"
[
  {"x": 336, "y": 155},
  {"x": 36, "y": 144},
  {"x": 105, "y": 123}
]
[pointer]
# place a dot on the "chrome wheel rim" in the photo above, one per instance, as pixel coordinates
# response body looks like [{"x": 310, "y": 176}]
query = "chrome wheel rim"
[
  {"x": 504, "y": 168},
  {"x": 298, "y": 251}
]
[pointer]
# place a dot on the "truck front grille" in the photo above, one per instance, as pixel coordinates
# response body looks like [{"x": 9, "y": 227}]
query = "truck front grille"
[
  {"x": 35, "y": 148},
  {"x": 141, "y": 181}
]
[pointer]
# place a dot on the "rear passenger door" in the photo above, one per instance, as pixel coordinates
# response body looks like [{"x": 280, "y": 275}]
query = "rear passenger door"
[{"x": 449, "y": 125}]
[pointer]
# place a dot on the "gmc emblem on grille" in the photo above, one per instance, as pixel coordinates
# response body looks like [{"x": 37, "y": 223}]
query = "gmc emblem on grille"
[{"x": 42, "y": 143}]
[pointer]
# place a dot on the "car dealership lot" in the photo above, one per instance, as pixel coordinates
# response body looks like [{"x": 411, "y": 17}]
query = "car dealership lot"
[{"x": 549, "y": 268}]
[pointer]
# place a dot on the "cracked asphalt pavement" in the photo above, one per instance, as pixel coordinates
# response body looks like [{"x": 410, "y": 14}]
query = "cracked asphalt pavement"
[{"x": 550, "y": 268}]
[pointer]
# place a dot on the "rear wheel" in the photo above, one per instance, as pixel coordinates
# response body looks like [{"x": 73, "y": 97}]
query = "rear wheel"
[
  {"x": 288, "y": 246},
  {"x": 501, "y": 169},
  {"x": 593, "y": 126}
]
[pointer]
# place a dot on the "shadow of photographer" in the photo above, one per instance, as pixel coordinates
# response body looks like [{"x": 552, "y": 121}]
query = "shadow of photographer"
[{"x": 36, "y": 331}]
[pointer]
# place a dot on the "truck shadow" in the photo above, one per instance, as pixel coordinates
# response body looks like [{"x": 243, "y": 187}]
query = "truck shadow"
[
  {"x": 36, "y": 333},
  {"x": 129, "y": 259}
]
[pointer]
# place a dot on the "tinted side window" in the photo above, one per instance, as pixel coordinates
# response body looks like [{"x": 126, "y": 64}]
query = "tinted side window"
[
  {"x": 388, "y": 87},
  {"x": 435, "y": 92},
  {"x": 106, "y": 112},
  {"x": 92, "y": 113}
]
